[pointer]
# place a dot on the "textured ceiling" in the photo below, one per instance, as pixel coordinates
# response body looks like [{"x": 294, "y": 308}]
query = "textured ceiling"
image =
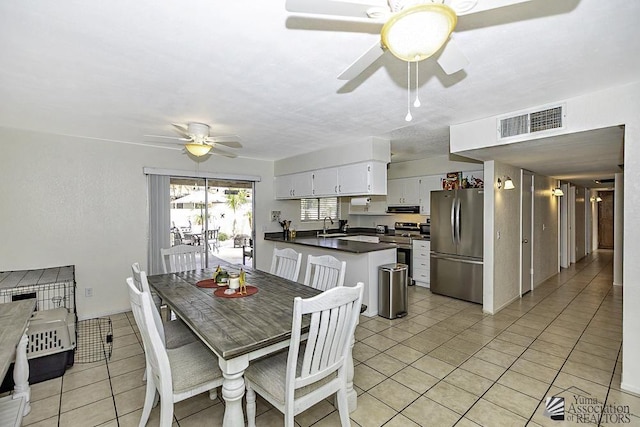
[{"x": 120, "y": 70}]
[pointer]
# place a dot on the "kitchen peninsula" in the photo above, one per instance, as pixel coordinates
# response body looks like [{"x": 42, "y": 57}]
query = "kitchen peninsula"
[{"x": 363, "y": 259}]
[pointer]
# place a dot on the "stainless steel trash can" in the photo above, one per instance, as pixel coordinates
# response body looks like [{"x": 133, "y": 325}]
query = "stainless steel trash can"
[{"x": 392, "y": 290}]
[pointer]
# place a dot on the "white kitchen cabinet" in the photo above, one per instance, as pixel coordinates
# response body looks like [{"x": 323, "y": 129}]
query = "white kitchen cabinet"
[
  {"x": 294, "y": 186},
  {"x": 325, "y": 182},
  {"x": 358, "y": 179},
  {"x": 421, "y": 263},
  {"x": 403, "y": 191},
  {"x": 427, "y": 185},
  {"x": 366, "y": 178}
]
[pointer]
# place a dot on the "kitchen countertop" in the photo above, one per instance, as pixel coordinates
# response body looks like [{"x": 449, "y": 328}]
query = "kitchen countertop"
[
  {"x": 332, "y": 243},
  {"x": 308, "y": 238}
]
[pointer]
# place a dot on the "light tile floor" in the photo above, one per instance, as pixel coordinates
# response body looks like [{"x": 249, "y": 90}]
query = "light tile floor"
[{"x": 446, "y": 363}]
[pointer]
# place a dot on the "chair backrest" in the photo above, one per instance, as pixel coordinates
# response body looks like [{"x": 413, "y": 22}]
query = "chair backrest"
[
  {"x": 286, "y": 263},
  {"x": 213, "y": 234},
  {"x": 181, "y": 258},
  {"x": 324, "y": 272},
  {"x": 334, "y": 315},
  {"x": 142, "y": 284},
  {"x": 157, "y": 360}
]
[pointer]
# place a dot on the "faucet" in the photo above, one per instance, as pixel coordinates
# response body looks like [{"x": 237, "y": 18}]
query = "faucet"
[{"x": 324, "y": 224}]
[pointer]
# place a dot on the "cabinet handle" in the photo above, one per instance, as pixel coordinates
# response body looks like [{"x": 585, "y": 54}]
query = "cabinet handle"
[
  {"x": 335, "y": 189},
  {"x": 339, "y": 188}
]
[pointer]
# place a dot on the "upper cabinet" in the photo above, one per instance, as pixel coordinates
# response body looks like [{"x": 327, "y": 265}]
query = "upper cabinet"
[
  {"x": 367, "y": 178},
  {"x": 294, "y": 186},
  {"x": 403, "y": 191},
  {"x": 427, "y": 185},
  {"x": 325, "y": 182}
]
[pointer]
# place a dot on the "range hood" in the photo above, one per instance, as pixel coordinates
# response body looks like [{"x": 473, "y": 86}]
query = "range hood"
[{"x": 403, "y": 209}]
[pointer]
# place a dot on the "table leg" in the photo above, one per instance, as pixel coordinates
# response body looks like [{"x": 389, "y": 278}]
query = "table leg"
[
  {"x": 21, "y": 375},
  {"x": 233, "y": 389}
]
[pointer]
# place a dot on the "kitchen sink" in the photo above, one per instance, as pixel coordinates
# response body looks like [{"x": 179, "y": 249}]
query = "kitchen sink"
[
  {"x": 361, "y": 238},
  {"x": 332, "y": 234}
]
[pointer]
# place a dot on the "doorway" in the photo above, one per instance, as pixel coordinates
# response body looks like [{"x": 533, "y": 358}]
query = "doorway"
[
  {"x": 605, "y": 219},
  {"x": 215, "y": 214},
  {"x": 526, "y": 233}
]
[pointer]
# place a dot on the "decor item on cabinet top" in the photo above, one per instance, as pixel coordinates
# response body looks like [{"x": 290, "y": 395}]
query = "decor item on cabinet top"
[
  {"x": 452, "y": 181},
  {"x": 476, "y": 182}
]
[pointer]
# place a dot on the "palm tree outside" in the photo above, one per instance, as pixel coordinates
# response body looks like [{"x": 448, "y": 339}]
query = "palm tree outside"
[{"x": 235, "y": 201}]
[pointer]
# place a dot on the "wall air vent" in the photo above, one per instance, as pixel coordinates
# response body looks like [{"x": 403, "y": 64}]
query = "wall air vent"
[{"x": 531, "y": 122}]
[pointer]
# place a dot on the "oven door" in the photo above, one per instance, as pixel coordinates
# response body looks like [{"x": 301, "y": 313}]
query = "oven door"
[{"x": 404, "y": 256}]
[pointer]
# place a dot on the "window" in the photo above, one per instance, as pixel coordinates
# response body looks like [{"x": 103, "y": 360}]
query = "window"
[{"x": 318, "y": 209}]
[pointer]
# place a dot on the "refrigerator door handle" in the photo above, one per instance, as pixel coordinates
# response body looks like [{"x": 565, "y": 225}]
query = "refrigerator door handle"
[
  {"x": 453, "y": 221},
  {"x": 458, "y": 221},
  {"x": 463, "y": 260}
]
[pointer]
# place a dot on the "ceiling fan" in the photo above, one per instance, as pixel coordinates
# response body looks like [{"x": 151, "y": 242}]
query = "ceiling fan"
[
  {"x": 196, "y": 140},
  {"x": 412, "y": 30}
]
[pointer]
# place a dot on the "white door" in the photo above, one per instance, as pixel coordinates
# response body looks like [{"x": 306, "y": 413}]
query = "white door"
[{"x": 526, "y": 233}]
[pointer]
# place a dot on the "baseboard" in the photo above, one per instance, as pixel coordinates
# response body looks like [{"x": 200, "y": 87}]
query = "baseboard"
[
  {"x": 629, "y": 388},
  {"x": 617, "y": 284}
]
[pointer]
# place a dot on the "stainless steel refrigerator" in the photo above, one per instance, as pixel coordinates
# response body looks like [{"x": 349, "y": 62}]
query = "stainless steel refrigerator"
[{"x": 456, "y": 243}]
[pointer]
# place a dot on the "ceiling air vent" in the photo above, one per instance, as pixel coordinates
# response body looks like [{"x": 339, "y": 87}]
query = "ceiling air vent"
[{"x": 536, "y": 121}]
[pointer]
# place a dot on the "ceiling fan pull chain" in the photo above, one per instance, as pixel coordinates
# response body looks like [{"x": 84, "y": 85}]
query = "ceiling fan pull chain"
[
  {"x": 408, "y": 117},
  {"x": 417, "y": 103}
]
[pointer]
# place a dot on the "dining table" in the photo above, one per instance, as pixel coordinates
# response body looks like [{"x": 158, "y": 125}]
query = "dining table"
[
  {"x": 238, "y": 329},
  {"x": 14, "y": 320}
]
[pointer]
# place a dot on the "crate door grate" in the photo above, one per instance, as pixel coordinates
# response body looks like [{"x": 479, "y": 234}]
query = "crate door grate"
[{"x": 95, "y": 340}]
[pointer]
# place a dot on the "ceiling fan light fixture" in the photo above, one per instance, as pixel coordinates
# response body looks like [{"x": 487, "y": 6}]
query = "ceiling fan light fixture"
[
  {"x": 198, "y": 150},
  {"x": 419, "y": 31}
]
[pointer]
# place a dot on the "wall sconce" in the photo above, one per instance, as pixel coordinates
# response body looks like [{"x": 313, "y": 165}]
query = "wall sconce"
[
  {"x": 595, "y": 199},
  {"x": 508, "y": 184},
  {"x": 557, "y": 192}
]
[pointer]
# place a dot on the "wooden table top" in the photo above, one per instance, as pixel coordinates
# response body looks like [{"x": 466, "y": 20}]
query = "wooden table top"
[
  {"x": 14, "y": 317},
  {"x": 232, "y": 327}
]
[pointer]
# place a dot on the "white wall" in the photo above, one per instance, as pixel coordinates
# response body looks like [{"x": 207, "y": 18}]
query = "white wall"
[
  {"x": 610, "y": 107},
  {"x": 505, "y": 236},
  {"x": 74, "y": 201},
  {"x": 432, "y": 166},
  {"x": 545, "y": 229}
]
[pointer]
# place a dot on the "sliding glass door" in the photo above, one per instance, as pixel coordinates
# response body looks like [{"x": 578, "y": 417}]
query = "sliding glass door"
[{"x": 214, "y": 214}]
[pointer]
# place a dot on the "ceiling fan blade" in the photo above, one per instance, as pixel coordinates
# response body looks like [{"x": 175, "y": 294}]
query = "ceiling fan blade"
[
  {"x": 221, "y": 140},
  {"x": 336, "y": 8},
  {"x": 465, "y": 7},
  {"x": 452, "y": 59},
  {"x": 177, "y": 138},
  {"x": 182, "y": 129},
  {"x": 362, "y": 63},
  {"x": 216, "y": 150}
]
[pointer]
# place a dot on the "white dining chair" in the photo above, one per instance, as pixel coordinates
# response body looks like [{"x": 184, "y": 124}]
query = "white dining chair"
[
  {"x": 286, "y": 263},
  {"x": 176, "y": 374},
  {"x": 174, "y": 333},
  {"x": 181, "y": 258},
  {"x": 324, "y": 272},
  {"x": 294, "y": 381}
]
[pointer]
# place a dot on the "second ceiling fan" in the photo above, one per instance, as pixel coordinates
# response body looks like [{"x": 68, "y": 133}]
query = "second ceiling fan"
[{"x": 412, "y": 30}]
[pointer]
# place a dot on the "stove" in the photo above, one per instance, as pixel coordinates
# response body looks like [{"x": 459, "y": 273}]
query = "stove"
[{"x": 404, "y": 233}]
